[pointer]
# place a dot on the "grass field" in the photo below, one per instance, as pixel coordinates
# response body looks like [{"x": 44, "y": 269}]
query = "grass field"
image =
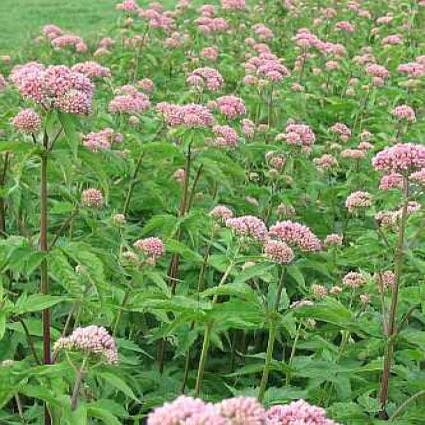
[{"x": 20, "y": 19}]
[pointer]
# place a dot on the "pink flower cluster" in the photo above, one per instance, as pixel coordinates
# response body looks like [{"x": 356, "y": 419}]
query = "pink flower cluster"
[
  {"x": 146, "y": 85},
  {"x": 278, "y": 251},
  {"x": 378, "y": 71},
  {"x": 357, "y": 200},
  {"x": 92, "y": 198},
  {"x": 27, "y": 121},
  {"x": 221, "y": 213},
  {"x": 392, "y": 40},
  {"x": 341, "y": 130},
  {"x": 263, "y": 32},
  {"x": 225, "y": 136},
  {"x": 56, "y": 87},
  {"x": 129, "y": 100},
  {"x": 233, "y": 4},
  {"x": 325, "y": 162},
  {"x": 299, "y": 135},
  {"x": 2, "y": 82},
  {"x": 391, "y": 181},
  {"x": 190, "y": 115},
  {"x": 400, "y": 158},
  {"x": 404, "y": 112},
  {"x": 412, "y": 69},
  {"x": 305, "y": 39},
  {"x": 354, "y": 279},
  {"x": 231, "y": 106},
  {"x": 92, "y": 340},
  {"x": 92, "y": 70},
  {"x": 102, "y": 140},
  {"x": 353, "y": 153},
  {"x": 151, "y": 247},
  {"x": 268, "y": 66},
  {"x": 344, "y": 26},
  {"x": 210, "y": 53},
  {"x": 249, "y": 226},
  {"x": 418, "y": 177},
  {"x": 127, "y": 6},
  {"x": 156, "y": 18},
  {"x": 52, "y": 31},
  {"x": 69, "y": 40},
  {"x": 206, "y": 77},
  {"x": 209, "y": 25},
  {"x": 333, "y": 239},
  {"x": 236, "y": 411},
  {"x": 296, "y": 234}
]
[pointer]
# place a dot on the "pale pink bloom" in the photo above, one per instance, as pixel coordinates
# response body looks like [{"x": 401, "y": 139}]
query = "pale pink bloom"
[
  {"x": 233, "y": 4},
  {"x": 225, "y": 136},
  {"x": 221, "y": 213},
  {"x": 231, "y": 106},
  {"x": 275, "y": 160},
  {"x": 212, "y": 25},
  {"x": 386, "y": 218},
  {"x": 353, "y": 153},
  {"x": 319, "y": 291},
  {"x": 146, "y": 84},
  {"x": 297, "y": 413},
  {"x": 345, "y": 26},
  {"x": 248, "y": 225},
  {"x": 52, "y": 31},
  {"x": 248, "y": 128},
  {"x": 378, "y": 71},
  {"x": 412, "y": 69},
  {"x": 92, "y": 70},
  {"x": 92, "y": 198},
  {"x": 92, "y": 340},
  {"x": 69, "y": 40},
  {"x": 392, "y": 40},
  {"x": 401, "y": 158},
  {"x": 263, "y": 32},
  {"x": 335, "y": 290},
  {"x": 278, "y": 251},
  {"x": 365, "y": 146},
  {"x": 267, "y": 65},
  {"x": 179, "y": 175},
  {"x": 207, "y": 10},
  {"x": 418, "y": 177},
  {"x": 366, "y": 136},
  {"x": 353, "y": 280},
  {"x": 357, "y": 200},
  {"x": 102, "y": 51},
  {"x": 27, "y": 121},
  {"x": 285, "y": 210},
  {"x": 325, "y": 162},
  {"x": 205, "y": 77},
  {"x": 156, "y": 18},
  {"x": 296, "y": 234},
  {"x": 384, "y": 20},
  {"x": 190, "y": 115},
  {"x": 129, "y": 101},
  {"x": 391, "y": 181},
  {"x": 119, "y": 219},
  {"x": 404, "y": 112},
  {"x": 105, "y": 43},
  {"x": 341, "y": 130},
  {"x": 365, "y": 299},
  {"x": 151, "y": 247},
  {"x": 242, "y": 411},
  {"x": 298, "y": 134},
  {"x": 127, "y": 6},
  {"x": 412, "y": 207},
  {"x": 333, "y": 239},
  {"x": 385, "y": 279},
  {"x": 101, "y": 140},
  {"x": 210, "y": 53},
  {"x": 332, "y": 65}
]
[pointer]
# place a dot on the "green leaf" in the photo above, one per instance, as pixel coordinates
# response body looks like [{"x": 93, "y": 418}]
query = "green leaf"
[
  {"x": 106, "y": 417},
  {"x": 119, "y": 384},
  {"x": 37, "y": 302},
  {"x": 69, "y": 125}
]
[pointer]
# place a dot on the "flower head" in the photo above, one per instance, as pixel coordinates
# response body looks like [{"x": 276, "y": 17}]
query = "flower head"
[
  {"x": 27, "y": 121},
  {"x": 249, "y": 226},
  {"x": 92, "y": 198}
]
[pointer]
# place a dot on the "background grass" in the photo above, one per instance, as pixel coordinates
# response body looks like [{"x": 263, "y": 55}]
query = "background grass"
[{"x": 22, "y": 19}]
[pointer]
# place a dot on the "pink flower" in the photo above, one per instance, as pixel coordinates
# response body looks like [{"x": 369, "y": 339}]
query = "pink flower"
[
  {"x": 319, "y": 291},
  {"x": 210, "y": 53},
  {"x": 357, "y": 200},
  {"x": 418, "y": 177},
  {"x": 392, "y": 40},
  {"x": 385, "y": 279},
  {"x": 2, "y": 83},
  {"x": 297, "y": 413},
  {"x": 249, "y": 226},
  {"x": 151, "y": 247},
  {"x": 92, "y": 70},
  {"x": 221, "y": 213},
  {"x": 226, "y": 136},
  {"x": 341, "y": 130},
  {"x": 233, "y": 4},
  {"x": 242, "y": 411},
  {"x": 212, "y": 25},
  {"x": 344, "y": 26},
  {"x": 401, "y": 158},
  {"x": 101, "y": 140},
  {"x": 92, "y": 198},
  {"x": 52, "y": 31},
  {"x": 333, "y": 239},
  {"x": 92, "y": 340},
  {"x": 127, "y": 6},
  {"x": 248, "y": 128},
  {"x": 67, "y": 40},
  {"x": 190, "y": 115},
  {"x": 231, "y": 106},
  {"x": 353, "y": 153},
  {"x": 27, "y": 121},
  {"x": 379, "y": 71},
  {"x": 298, "y": 134},
  {"x": 147, "y": 85},
  {"x": 278, "y": 251},
  {"x": 263, "y": 32},
  {"x": 296, "y": 234},
  {"x": 129, "y": 101},
  {"x": 404, "y": 112},
  {"x": 391, "y": 181},
  {"x": 412, "y": 69},
  {"x": 325, "y": 162},
  {"x": 206, "y": 77},
  {"x": 353, "y": 279}
]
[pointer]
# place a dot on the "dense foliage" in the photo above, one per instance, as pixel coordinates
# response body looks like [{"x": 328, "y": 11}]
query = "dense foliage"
[{"x": 219, "y": 200}]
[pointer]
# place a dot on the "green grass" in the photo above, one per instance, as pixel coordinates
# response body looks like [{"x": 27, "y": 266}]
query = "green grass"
[{"x": 22, "y": 19}]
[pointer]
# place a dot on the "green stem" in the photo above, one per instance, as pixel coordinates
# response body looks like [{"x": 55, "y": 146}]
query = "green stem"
[
  {"x": 405, "y": 404},
  {"x": 77, "y": 385},
  {"x": 271, "y": 340},
  {"x": 292, "y": 355},
  {"x": 123, "y": 304}
]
